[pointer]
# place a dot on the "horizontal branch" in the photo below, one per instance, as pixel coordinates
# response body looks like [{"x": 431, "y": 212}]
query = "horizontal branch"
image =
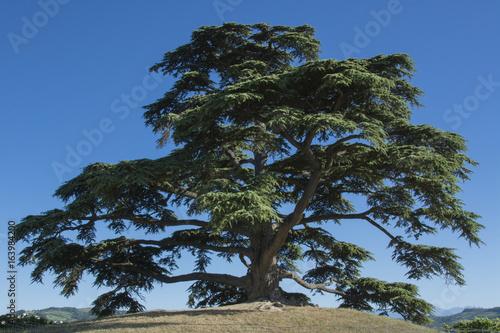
[
  {"x": 139, "y": 219},
  {"x": 153, "y": 221},
  {"x": 196, "y": 276},
  {"x": 175, "y": 223},
  {"x": 311, "y": 286},
  {"x": 176, "y": 190},
  {"x": 337, "y": 144},
  {"x": 361, "y": 216},
  {"x": 209, "y": 277},
  {"x": 202, "y": 246},
  {"x": 340, "y": 216}
]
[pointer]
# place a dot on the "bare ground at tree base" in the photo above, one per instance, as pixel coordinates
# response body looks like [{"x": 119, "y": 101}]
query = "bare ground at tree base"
[{"x": 246, "y": 317}]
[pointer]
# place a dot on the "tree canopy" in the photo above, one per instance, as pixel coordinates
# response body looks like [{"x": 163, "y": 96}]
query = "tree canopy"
[{"x": 273, "y": 144}]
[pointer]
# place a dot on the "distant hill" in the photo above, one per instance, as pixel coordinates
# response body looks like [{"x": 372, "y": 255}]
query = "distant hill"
[
  {"x": 66, "y": 314},
  {"x": 438, "y": 312},
  {"x": 466, "y": 314}
]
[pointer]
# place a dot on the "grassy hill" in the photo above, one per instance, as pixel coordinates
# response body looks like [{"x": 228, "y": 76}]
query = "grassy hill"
[
  {"x": 259, "y": 318},
  {"x": 255, "y": 318},
  {"x": 467, "y": 314}
]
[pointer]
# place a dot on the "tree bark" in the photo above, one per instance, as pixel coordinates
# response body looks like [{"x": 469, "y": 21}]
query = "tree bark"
[
  {"x": 264, "y": 283},
  {"x": 263, "y": 277}
]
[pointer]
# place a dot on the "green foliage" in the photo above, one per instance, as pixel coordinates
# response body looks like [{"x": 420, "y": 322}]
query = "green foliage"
[
  {"x": 398, "y": 297},
  {"x": 271, "y": 143},
  {"x": 207, "y": 294},
  {"x": 476, "y": 325},
  {"x": 108, "y": 303},
  {"x": 467, "y": 314}
]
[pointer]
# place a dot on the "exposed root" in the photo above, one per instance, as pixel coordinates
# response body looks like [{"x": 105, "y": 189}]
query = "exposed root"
[{"x": 266, "y": 305}]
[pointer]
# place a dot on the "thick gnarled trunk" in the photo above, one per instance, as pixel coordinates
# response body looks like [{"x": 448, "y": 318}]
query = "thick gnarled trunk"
[
  {"x": 264, "y": 284},
  {"x": 264, "y": 275}
]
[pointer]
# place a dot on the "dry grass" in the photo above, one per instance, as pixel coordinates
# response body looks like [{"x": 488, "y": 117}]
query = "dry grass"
[{"x": 256, "y": 318}]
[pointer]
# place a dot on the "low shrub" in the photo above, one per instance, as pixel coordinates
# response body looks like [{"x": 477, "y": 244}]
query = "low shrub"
[{"x": 476, "y": 325}]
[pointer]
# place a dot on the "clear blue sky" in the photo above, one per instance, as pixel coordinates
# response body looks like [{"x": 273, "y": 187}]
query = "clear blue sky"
[{"x": 70, "y": 70}]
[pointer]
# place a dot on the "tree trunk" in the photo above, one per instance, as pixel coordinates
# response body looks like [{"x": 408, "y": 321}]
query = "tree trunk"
[
  {"x": 264, "y": 274},
  {"x": 264, "y": 284}
]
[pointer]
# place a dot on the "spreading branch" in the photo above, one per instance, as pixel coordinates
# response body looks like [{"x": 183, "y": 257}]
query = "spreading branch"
[
  {"x": 293, "y": 219},
  {"x": 305, "y": 147},
  {"x": 168, "y": 242},
  {"x": 312, "y": 286},
  {"x": 196, "y": 276}
]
